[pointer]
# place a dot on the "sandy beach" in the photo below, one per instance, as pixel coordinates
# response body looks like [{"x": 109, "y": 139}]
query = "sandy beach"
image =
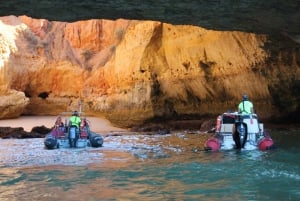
[{"x": 28, "y": 122}]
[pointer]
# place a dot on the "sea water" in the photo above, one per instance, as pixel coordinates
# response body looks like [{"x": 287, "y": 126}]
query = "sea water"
[{"x": 149, "y": 167}]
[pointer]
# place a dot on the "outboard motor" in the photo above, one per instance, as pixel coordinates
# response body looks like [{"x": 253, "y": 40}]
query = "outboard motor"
[
  {"x": 96, "y": 140},
  {"x": 72, "y": 136},
  {"x": 50, "y": 142},
  {"x": 240, "y": 134}
]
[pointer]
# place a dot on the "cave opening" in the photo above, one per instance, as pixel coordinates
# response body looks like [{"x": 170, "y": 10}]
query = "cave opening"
[{"x": 43, "y": 95}]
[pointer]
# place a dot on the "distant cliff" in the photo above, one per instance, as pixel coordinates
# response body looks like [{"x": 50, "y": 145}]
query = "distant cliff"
[{"x": 137, "y": 71}]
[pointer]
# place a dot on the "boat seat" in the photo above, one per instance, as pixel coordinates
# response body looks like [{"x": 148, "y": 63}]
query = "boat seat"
[
  {"x": 83, "y": 134},
  {"x": 226, "y": 128},
  {"x": 60, "y": 133}
]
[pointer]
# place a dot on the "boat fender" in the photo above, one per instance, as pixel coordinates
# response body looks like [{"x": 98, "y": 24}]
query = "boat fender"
[
  {"x": 266, "y": 143},
  {"x": 212, "y": 144},
  {"x": 50, "y": 142},
  {"x": 96, "y": 141}
]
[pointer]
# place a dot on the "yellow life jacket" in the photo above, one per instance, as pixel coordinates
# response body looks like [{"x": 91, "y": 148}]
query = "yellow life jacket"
[{"x": 75, "y": 121}]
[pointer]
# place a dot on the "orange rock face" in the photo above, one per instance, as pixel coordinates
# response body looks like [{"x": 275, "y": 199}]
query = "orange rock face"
[{"x": 135, "y": 71}]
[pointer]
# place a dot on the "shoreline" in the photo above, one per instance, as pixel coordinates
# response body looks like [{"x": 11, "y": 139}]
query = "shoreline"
[
  {"x": 101, "y": 124},
  {"x": 97, "y": 124}
]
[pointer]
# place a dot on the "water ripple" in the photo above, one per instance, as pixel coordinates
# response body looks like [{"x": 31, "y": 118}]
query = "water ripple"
[{"x": 145, "y": 167}]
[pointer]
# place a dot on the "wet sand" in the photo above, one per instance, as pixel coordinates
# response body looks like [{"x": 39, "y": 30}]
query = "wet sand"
[{"x": 97, "y": 124}]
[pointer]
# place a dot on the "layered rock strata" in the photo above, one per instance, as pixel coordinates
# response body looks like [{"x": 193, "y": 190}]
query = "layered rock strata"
[{"x": 133, "y": 71}]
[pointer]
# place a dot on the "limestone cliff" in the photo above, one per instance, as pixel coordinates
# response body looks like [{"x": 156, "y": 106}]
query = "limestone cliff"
[{"x": 136, "y": 71}]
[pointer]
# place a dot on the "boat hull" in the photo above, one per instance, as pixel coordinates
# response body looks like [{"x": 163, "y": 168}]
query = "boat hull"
[
  {"x": 51, "y": 142},
  {"x": 235, "y": 131},
  {"x": 62, "y": 136}
]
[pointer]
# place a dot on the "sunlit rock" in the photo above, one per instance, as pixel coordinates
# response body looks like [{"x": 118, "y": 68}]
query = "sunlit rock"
[
  {"x": 12, "y": 104},
  {"x": 136, "y": 71}
]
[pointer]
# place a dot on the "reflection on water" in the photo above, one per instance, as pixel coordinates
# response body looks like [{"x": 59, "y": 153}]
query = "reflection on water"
[{"x": 148, "y": 167}]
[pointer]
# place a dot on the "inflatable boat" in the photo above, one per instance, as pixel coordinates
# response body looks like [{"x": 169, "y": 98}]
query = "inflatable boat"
[
  {"x": 65, "y": 135},
  {"x": 239, "y": 131}
]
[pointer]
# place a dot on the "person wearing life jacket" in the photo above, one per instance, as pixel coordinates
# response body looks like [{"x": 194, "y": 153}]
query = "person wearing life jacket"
[
  {"x": 246, "y": 106},
  {"x": 75, "y": 120},
  {"x": 58, "y": 122}
]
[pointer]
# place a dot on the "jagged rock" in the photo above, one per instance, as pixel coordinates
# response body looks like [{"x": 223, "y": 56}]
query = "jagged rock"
[
  {"x": 42, "y": 130},
  {"x": 8, "y": 132},
  {"x": 135, "y": 71},
  {"x": 168, "y": 126},
  {"x": 208, "y": 126},
  {"x": 12, "y": 104},
  {"x": 20, "y": 133}
]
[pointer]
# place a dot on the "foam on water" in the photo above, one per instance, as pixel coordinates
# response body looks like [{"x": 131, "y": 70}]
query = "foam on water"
[{"x": 146, "y": 167}]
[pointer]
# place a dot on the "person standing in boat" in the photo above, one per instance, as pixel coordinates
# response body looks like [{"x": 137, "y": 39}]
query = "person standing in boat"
[
  {"x": 246, "y": 106},
  {"x": 74, "y": 130},
  {"x": 75, "y": 120}
]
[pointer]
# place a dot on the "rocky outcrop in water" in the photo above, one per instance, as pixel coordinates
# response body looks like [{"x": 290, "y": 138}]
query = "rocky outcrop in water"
[
  {"x": 20, "y": 133},
  {"x": 134, "y": 72}
]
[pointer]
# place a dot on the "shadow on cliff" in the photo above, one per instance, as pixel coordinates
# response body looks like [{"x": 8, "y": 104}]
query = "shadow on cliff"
[
  {"x": 257, "y": 16},
  {"x": 282, "y": 73}
]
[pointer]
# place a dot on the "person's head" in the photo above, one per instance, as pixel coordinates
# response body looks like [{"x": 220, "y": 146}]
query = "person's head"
[
  {"x": 75, "y": 113},
  {"x": 245, "y": 97}
]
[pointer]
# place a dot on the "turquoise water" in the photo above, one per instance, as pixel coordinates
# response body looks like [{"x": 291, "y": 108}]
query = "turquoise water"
[{"x": 147, "y": 167}]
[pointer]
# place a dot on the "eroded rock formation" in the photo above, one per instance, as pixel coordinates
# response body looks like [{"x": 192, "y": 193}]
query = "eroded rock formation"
[
  {"x": 136, "y": 71},
  {"x": 20, "y": 133}
]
